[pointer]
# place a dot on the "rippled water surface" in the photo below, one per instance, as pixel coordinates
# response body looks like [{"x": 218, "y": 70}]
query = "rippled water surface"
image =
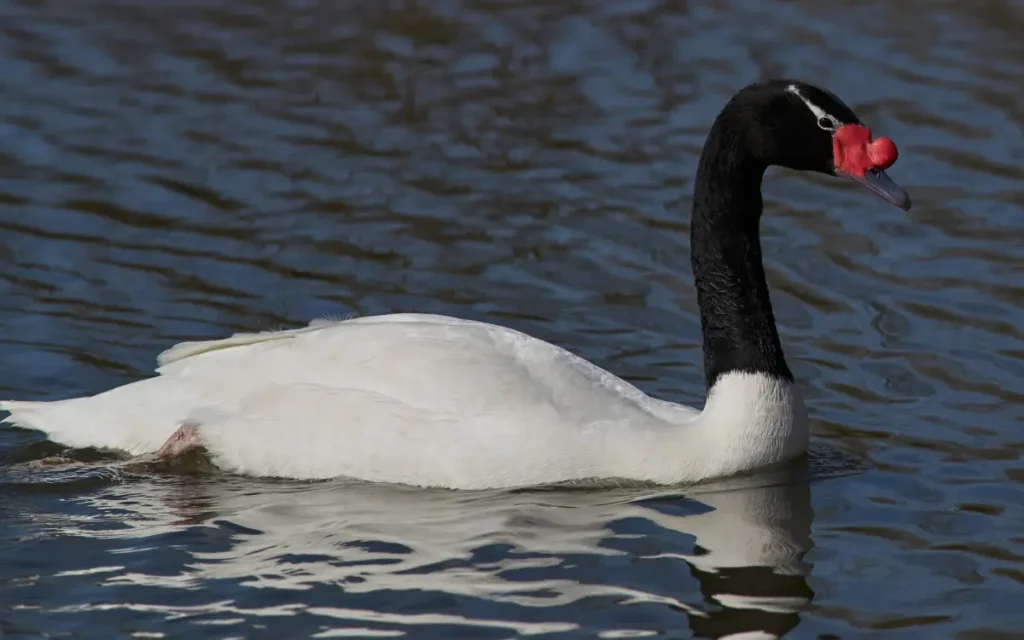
[{"x": 182, "y": 170}]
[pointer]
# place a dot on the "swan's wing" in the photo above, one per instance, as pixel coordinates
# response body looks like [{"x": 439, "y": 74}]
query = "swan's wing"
[{"x": 414, "y": 400}]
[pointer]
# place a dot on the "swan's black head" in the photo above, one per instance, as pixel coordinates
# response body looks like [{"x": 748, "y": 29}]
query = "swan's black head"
[{"x": 800, "y": 126}]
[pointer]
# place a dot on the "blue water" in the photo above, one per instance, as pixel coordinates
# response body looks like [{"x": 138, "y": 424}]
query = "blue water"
[{"x": 183, "y": 170}]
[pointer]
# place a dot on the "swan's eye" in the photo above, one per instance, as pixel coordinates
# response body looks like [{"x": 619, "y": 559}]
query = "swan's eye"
[{"x": 826, "y": 123}]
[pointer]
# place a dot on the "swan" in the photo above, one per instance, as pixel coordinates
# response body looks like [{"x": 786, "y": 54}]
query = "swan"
[{"x": 436, "y": 401}]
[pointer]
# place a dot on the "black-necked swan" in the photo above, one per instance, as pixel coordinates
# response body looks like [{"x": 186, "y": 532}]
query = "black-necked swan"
[{"x": 436, "y": 401}]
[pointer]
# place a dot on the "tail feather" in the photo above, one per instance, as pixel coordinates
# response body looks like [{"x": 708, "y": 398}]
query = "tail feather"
[
  {"x": 77, "y": 423},
  {"x": 27, "y": 415},
  {"x": 47, "y": 417},
  {"x": 136, "y": 418}
]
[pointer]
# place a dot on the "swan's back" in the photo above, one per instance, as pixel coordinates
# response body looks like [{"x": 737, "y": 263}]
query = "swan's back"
[{"x": 432, "y": 362}]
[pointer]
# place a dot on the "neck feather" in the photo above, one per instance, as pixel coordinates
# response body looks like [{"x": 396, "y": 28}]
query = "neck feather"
[{"x": 732, "y": 292}]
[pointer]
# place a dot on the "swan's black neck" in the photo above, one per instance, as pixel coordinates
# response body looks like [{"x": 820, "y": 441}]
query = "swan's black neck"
[{"x": 732, "y": 293}]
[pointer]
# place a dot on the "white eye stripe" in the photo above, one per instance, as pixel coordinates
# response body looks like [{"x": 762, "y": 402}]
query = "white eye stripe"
[{"x": 819, "y": 113}]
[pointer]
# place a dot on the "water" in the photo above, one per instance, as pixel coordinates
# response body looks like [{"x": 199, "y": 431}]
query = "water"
[{"x": 183, "y": 170}]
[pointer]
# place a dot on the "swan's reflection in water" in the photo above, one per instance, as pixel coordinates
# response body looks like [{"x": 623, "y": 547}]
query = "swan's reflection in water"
[{"x": 341, "y": 558}]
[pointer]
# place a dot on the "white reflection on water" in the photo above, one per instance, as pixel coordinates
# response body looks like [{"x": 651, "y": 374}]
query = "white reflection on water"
[{"x": 527, "y": 563}]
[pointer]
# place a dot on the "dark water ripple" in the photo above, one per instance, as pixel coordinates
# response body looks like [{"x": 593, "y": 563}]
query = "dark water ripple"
[{"x": 181, "y": 170}]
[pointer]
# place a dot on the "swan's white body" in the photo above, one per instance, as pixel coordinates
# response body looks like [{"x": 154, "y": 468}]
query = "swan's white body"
[{"x": 431, "y": 401}]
